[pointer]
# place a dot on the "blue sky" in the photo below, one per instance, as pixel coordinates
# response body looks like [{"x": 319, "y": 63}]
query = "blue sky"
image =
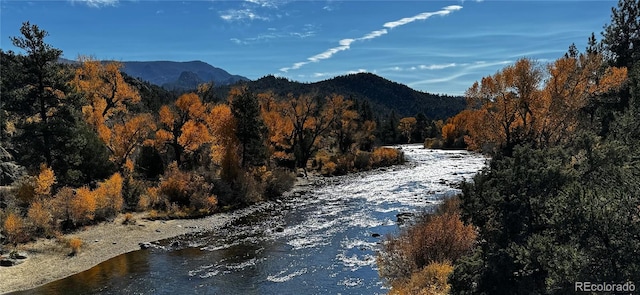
[{"x": 433, "y": 46}]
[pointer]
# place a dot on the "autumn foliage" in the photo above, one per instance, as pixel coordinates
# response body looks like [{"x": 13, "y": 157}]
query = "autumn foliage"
[
  {"x": 518, "y": 105},
  {"x": 420, "y": 258}
]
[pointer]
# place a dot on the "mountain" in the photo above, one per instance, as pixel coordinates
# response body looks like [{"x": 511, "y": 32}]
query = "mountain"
[
  {"x": 383, "y": 95},
  {"x": 179, "y": 75}
]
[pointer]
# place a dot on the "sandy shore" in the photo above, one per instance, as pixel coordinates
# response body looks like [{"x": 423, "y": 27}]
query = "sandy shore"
[{"x": 48, "y": 260}]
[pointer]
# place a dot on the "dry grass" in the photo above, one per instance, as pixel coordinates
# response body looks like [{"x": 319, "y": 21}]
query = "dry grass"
[{"x": 419, "y": 257}]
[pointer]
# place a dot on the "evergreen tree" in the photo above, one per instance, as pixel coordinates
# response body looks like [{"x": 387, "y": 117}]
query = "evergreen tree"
[
  {"x": 250, "y": 128},
  {"x": 42, "y": 87},
  {"x": 622, "y": 35},
  {"x": 49, "y": 128}
]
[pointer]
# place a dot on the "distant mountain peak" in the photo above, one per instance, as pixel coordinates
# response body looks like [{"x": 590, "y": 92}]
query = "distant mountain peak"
[{"x": 171, "y": 74}]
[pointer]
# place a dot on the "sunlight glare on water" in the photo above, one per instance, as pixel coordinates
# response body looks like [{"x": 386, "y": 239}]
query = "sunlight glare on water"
[{"x": 323, "y": 242}]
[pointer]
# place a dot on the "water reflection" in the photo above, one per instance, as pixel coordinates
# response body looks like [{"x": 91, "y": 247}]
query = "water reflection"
[{"x": 104, "y": 274}]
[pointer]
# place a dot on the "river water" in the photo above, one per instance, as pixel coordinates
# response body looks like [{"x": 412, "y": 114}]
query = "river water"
[{"x": 321, "y": 242}]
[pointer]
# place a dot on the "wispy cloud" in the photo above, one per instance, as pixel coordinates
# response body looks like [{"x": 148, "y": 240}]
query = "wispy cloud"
[
  {"x": 345, "y": 44},
  {"x": 462, "y": 70},
  {"x": 96, "y": 3},
  {"x": 241, "y": 14},
  {"x": 248, "y": 10},
  {"x": 423, "y": 67},
  {"x": 273, "y": 33}
]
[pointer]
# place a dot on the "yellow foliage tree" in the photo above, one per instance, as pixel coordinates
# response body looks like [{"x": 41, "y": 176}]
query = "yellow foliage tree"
[
  {"x": 44, "y": 181},
  {"x": 182, "y": 127},
  {"x": 224, "y": 143},
  {"x": 106, "y": 89},
  {"x": 40, "y": 217},
  {"x": 129, "y": 136},
  {"x": 514, "y": 105},
  {"x": 14, "y": 228},
  {"x": 83, "y": 206},
  {"x": 280, "y": 128},
  {"x": 108, "y": 196}
]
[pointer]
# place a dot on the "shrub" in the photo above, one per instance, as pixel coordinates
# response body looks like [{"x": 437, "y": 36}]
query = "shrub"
[
  {"x": 74, "y": 244},
  {"x": 14, "y": 228},
  {"x": 174, "y": 185},
  {"x": 151, "y": 200},
  {"x": 83, "y": 206},
  {"x": 431, "y": 280},
  {"x": 128, "y": 219},
  {"x": 385, "y": 156},
  {"x": 362, "y": 160},
  {"x": 40, "y": 217},
  {"x": 44, "y": 181},
  {"x": 328, "y": 168},
  {"x": 108, "y": 197},
  {"x": 436, "y": 238},
  {"x": 278, "y": 183}
]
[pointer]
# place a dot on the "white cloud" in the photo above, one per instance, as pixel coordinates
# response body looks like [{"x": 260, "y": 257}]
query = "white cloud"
[
  {"x": 374, "y": 34},
  {"x": 423, "y": 67},
  {"x": 437, "y": 67},
  {"x": 345, "y": 44},
  {"x": 421, "y": 16},
  {"x": 97, "y": 3},
  {"x": 240, "y": 15},
  {"x": 267, "y": 3}
]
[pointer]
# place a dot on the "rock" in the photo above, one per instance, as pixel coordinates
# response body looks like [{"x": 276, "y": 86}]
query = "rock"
[
  {"x": 157, "y": 230},
  {"x": 7, "y": 262},
  {"x": 19, "y": 256},
  {"x": 145, "y": 245},
  {"x": 279, "y": 229},
  {"x": 404, "y": 217},
  {"x": 375, "y": 235},
  {"x": 114, "y": 243}
]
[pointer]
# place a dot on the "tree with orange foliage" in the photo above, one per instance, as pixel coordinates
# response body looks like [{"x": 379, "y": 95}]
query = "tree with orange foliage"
[
  {"x": 108, "y": 196},
  {"x": 224, "y": 143},
  {"x": 514, "y": 106},
  {"x": 105, "y": 88},
  {"x": 127, "y": 137},
  {"x": 507, "y": 99},
  {"x": 44, "y": 181},
  {"x": 280, "y": 128},
  {"x": 82, "y": 206},
  {"x": 311, "y": 122},
  {"x": 182, "y": 127},
  {"x": 14, "y": 228}
]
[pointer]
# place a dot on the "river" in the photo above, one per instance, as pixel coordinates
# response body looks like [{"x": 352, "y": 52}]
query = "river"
[{"x": 321, "y": 242}]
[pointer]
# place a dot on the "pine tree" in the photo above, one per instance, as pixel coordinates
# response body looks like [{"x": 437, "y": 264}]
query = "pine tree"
[
  {"x": 42, "y": 85},
  {"x": 250, "y": 129},
  {"x": 622, "y": 35}
]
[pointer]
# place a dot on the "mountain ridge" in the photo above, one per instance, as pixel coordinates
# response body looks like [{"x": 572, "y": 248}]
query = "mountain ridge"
[{"x": 383, "y": 94}]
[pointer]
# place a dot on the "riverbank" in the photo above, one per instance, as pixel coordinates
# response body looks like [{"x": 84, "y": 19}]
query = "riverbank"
[{"x": 48, "y": 260}]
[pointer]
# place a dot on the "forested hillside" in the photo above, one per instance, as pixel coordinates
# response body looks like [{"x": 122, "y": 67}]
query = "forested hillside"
[
  {"x": 382, "y": 94},
  {"x": 558, "y": 207}
]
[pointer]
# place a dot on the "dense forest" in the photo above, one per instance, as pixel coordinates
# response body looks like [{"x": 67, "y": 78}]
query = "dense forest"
[
  {"x": 82, "y": 142},
  {"x": 558, "y": 205}
]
